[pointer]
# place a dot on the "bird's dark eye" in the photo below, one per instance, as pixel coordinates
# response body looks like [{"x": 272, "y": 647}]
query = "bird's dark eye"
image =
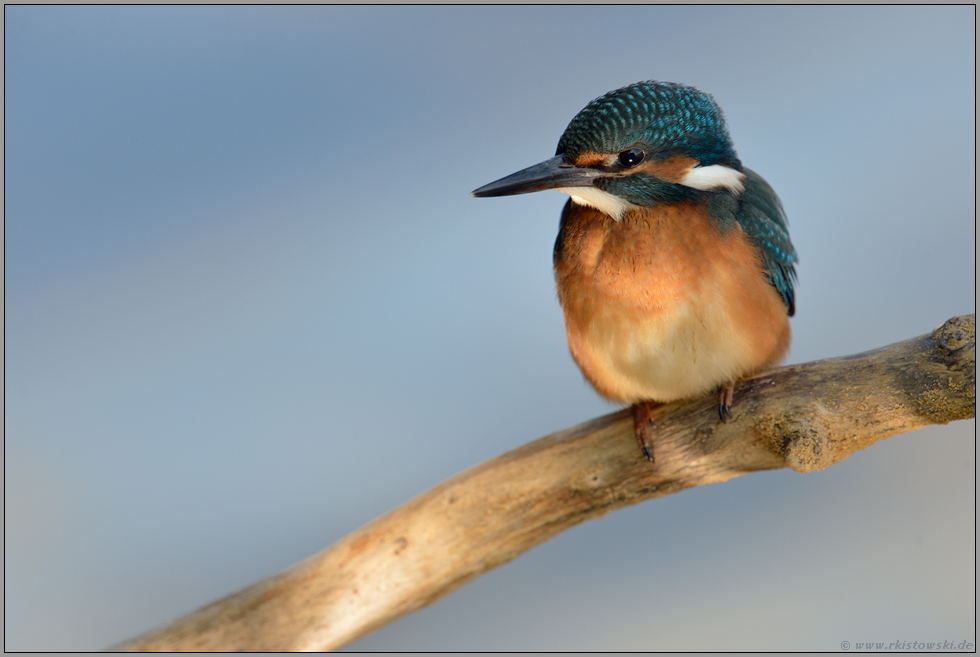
[{"x": 632, "y": 157}]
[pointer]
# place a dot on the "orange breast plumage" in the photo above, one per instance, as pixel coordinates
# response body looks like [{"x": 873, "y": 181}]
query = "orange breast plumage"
[{"x": 665, "y": 303}]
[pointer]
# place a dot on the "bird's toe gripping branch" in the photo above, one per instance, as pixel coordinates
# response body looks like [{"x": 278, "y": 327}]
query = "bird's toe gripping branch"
[
  {"x": 726, "y": 392},
  {"x": 642, "y": 421}
]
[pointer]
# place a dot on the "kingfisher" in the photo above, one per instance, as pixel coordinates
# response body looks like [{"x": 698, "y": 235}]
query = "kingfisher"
[{"x": 673, "y": 262}]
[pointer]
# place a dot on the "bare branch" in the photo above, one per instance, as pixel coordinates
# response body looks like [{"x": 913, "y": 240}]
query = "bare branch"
[{"x": 806, "y": 417}]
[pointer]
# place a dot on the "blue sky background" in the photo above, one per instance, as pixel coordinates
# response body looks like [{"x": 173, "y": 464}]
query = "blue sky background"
[{"x": 249, "y": 307}]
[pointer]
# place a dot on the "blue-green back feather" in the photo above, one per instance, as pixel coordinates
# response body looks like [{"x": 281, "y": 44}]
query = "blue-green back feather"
[{"x": 761, "y": 215}]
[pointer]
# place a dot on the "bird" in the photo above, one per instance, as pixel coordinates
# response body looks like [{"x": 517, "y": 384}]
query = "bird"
[{"x": 673, "y": 262}]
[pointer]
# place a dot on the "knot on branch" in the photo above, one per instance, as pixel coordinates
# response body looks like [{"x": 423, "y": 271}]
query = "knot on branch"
[
  {"x": 804, "y": 441},
  {"x": 945, "y": 387},
  {"x": 864, "y": 398}
]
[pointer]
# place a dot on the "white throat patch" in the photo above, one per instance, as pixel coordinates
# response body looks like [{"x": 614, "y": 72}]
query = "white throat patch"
[{"x": 605, "y": 202}]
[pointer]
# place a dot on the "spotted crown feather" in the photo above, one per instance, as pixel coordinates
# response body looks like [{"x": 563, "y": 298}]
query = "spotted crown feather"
[{"x": 665, "y": 117}]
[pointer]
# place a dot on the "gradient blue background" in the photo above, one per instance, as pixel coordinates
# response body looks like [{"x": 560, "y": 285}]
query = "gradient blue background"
[{"x": 249, "y": 307}]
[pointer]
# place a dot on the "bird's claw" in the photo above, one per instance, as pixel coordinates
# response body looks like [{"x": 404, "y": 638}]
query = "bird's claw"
[{"x": 725, "y": 394}]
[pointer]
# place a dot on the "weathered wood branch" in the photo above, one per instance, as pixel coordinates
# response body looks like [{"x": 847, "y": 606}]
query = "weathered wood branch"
[{"x": 806, "y": 417}]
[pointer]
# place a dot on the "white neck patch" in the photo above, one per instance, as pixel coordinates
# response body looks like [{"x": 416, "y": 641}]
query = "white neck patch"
[
  {"x": 605, "y": 202},
  {"x": 713, "y": 177}
]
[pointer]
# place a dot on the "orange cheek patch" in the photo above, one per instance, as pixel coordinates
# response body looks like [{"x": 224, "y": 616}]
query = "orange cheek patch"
[
  {"x": 670, "y": 170},
  {"x": 590, "y": 159}
]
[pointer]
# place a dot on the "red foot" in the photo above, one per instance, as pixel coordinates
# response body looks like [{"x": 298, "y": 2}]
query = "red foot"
[{"x": 642, "y": 419}]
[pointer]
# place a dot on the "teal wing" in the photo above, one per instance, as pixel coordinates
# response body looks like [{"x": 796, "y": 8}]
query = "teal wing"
[{"x": 763, "y": 219}]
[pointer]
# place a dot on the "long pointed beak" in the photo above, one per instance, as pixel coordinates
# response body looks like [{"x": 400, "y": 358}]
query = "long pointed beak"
[{"x": 549, "y": 174}]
